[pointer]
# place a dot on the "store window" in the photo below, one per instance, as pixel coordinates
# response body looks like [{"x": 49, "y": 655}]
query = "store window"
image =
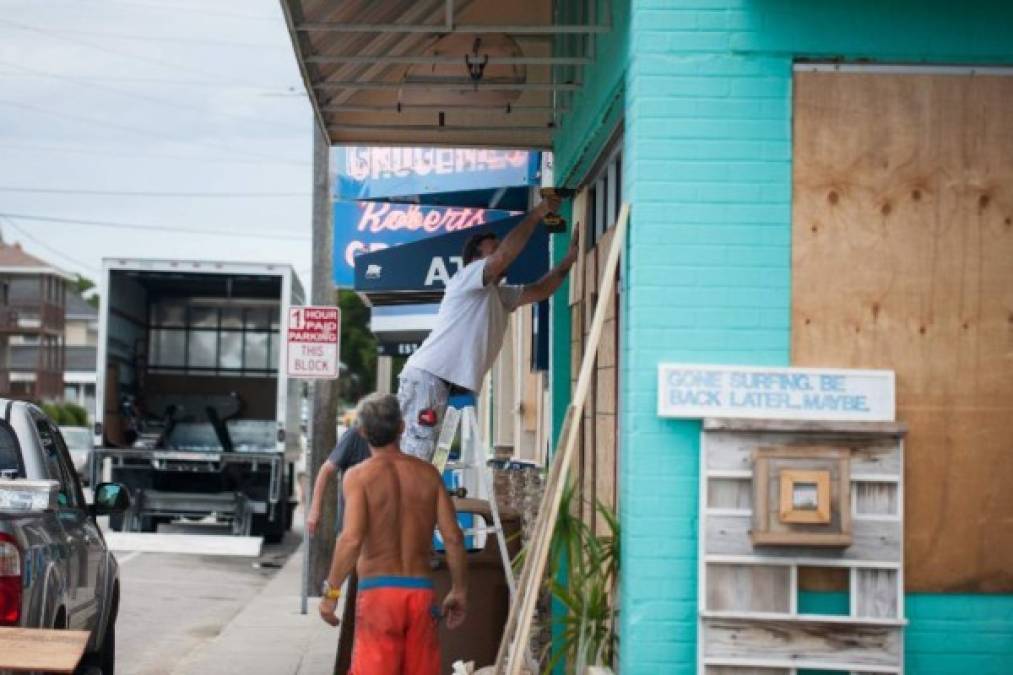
[
  {"x": 604, "y": 195},
  {"x": 234, "y": 340}
]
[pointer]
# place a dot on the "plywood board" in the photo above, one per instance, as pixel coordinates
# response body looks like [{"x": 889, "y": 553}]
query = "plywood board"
[
  {"x": 901, "y": 249},
  {"x": 40, "y": 649}
]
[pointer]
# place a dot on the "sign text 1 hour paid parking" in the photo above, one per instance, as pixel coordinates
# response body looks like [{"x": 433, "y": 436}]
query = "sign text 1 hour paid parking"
[{"x": 314, "y": 338}]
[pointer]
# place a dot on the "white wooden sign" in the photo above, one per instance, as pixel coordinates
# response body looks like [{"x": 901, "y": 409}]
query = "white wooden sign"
[
  {"x": 698, "y": 391},
  {"x": 314, "y": 340}
]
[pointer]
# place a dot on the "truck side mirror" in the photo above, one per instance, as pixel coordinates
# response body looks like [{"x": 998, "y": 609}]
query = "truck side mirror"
[{"x": 110, "y": 498}]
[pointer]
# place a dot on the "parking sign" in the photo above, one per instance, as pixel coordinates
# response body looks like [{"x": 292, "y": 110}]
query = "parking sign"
[{"x": 314, "y": 340}]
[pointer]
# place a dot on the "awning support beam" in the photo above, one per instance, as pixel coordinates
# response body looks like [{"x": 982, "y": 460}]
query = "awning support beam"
[
  {"x": 531, "y": 29},
  {"x": 408, "y": 108},
  {"x": 451, "y": 60},
  {"x": 453, "y": 85}
]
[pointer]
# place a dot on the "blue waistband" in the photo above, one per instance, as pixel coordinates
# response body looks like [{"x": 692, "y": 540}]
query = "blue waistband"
[{"x": 395, "y": 582}]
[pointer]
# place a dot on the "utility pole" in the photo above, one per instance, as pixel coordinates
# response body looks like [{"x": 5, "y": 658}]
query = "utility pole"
[{"x": 325, "y": 392}]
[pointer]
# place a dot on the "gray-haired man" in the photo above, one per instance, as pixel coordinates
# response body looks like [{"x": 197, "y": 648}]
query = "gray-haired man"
[{"x": 470, "y": 327}]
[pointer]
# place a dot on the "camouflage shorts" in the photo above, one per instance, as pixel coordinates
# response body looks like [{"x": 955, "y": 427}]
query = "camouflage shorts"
[{"x": 421, "y": 395}]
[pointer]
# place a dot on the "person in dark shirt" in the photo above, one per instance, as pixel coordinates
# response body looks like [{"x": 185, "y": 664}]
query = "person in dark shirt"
[{"x": 350, "y": 450}]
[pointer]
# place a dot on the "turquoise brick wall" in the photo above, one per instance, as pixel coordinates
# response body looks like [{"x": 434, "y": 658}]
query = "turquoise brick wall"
[{"x": 708, "y": 169}]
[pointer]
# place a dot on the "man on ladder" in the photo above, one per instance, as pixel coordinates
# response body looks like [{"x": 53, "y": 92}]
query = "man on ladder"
[{"x": 470, "y": 327}]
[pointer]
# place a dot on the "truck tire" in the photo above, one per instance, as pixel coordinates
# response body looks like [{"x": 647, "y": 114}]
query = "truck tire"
[{"x": 272, "y": 533}]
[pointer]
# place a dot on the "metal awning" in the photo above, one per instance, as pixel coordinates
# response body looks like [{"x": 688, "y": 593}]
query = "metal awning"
[{"x": 454, "y": 73}]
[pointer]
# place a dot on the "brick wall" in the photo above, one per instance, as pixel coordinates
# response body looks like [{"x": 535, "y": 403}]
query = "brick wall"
[{"x": 708, "y": 169}]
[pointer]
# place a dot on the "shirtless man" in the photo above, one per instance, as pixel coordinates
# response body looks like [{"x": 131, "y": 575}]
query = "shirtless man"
[{"x": 393, "y": 502}]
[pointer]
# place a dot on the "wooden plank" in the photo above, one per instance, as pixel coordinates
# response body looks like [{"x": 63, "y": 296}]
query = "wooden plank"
[
  {"x": 41, "y": 649},
  {"x": 875, "y": 498},
  {"x": 730, "y": 493},
  {"x": 518, "y": 629},
  {"x": 871, "y": 540},
  {"x": 792, "y": 641},
  {"x": 754, "y": 588},
  {"x": 896, "y": 429},
  {"x": 733, "y": 451},
  {"x": 744, "y": 670},
  {"x": 876, "y": 593},
  {"x": 902, "y": 194}
]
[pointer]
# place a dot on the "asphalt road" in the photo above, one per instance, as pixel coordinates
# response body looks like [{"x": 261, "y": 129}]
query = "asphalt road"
[{"x": 172, "y": 604}]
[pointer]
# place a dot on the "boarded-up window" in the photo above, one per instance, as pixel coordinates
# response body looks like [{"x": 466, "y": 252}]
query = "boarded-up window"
[{"x": 903, "y": 259}]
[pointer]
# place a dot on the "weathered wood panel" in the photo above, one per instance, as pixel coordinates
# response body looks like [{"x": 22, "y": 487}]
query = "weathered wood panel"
[
  {"x": 872, "y": 540},
  {"x": 733, "y": 451},
  {"x": 802, "y": 641},
  {"x": 733, "y": 670},
  {"x": 903, "y": 215},
  {"x": 730, "y": 493},
  {"x": 754, "y": 588},
  {"x": 878, "y": 499},
  {"x": 876, "y": 593}
]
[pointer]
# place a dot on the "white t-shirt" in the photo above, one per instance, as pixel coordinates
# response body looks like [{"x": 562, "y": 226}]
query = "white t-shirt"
[{"x": 469, "y": 328}]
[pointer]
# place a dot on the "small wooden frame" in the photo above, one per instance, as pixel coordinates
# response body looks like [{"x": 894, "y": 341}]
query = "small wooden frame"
[
  {"x": 778, "y": 471},
  {"x": 793, "y": 482}
]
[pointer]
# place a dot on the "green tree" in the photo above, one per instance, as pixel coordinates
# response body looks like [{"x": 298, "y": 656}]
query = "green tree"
[
  {"x": 358, "y": 348},
  {"x": 83, "y": 284}
]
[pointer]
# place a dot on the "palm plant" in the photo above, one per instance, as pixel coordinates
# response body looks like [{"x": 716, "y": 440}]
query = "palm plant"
[{"x": 582, "y": 578}]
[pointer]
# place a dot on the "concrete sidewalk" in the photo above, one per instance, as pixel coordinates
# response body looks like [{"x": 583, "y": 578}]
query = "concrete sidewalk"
[{"x": 269, "y": 636}]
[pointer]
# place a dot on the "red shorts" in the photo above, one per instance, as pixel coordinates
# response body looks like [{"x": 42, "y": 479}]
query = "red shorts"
[{"x": 396, "y": 627}]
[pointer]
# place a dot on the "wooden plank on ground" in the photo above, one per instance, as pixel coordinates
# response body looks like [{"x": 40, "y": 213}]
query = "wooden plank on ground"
[{"x": 41, "y": 649}]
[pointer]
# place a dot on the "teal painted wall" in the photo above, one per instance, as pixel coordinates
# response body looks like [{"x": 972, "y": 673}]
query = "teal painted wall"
[
  {"x": 596, "y": 110},
  {"x": 708, "y": 169}
]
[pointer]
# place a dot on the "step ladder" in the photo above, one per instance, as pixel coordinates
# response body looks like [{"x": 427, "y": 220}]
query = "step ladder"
[
  {"x": 461, "y": 413},
  {"x": 474, "y": 458}
]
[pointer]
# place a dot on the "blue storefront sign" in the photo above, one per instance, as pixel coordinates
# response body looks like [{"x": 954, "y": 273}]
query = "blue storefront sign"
[
  {"x": 379, "y": 172},
  {"x": 427, "y": 265},
  {"x": 362, "y": 227}
]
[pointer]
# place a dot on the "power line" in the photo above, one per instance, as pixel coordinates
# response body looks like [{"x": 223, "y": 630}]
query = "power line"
[
  {"x": 103, "y": 48},
  {"x": 170, "y": 39},
  {"x": 237, "y": 233},
  {"x": 30, "y": 237},
  {"x": 143, "y": 132},
  {"x": 32, "y": 147},
  {"x": 138, "y": 193},
  {"x": 191, "y": 9},
  {"x": 151, "y": 99}
]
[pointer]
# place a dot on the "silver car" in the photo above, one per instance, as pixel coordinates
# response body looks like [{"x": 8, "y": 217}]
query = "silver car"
[
  {"x": 80, "y": 444},
  {"x": 55, "y": 568}
]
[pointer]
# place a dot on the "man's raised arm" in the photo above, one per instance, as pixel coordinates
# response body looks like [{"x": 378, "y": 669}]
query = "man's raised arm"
[
  {"x": 547, "y": 285},
  {"x": 515, "y": 241}
]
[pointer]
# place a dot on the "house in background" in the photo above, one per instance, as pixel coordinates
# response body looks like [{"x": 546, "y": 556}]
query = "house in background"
[
  {"x": 81, "y": 341},
  {"x": 37, "y": 293},
  {"x": 8, "y": 320}
]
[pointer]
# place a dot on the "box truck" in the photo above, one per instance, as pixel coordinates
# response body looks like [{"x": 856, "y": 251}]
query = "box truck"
[{"x": 194, "y": 412}]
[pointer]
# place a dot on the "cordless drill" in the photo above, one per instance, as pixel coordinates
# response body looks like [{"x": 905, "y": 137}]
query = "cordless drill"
[{"x": 554, "y": 222}]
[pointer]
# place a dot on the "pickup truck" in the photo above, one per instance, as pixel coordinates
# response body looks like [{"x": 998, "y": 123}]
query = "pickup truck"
[{"x": 55, "y": 568}]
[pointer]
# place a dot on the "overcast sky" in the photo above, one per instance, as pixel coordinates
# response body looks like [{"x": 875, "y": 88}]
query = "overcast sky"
[{"x": 197, "y": 98}]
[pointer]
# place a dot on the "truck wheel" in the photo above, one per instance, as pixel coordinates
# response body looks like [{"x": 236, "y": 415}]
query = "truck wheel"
[{"x": 260, "y": 526}]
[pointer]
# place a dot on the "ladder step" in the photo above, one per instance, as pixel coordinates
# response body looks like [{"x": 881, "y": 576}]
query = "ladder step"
[{"x": 492, "y": 529}]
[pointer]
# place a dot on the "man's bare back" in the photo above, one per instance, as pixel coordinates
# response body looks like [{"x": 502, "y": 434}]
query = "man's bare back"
[
  {"x": 402, "y": 496},
  {"x": 393, "y": 502}
]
